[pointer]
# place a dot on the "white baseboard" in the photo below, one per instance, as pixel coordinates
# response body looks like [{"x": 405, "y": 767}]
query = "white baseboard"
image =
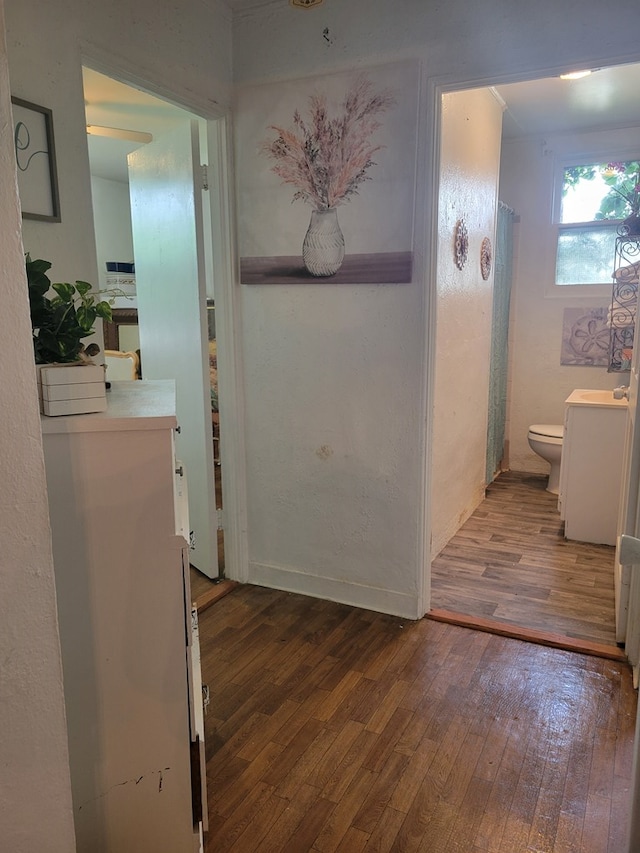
[{"x": 356, "y": 595}]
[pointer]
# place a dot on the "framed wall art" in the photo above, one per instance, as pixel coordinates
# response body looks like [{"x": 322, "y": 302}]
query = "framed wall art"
[
  {"x": 585, "y": 337},
  {"x": 36, "y": 161},
  {"x": 326, "y": 178}
]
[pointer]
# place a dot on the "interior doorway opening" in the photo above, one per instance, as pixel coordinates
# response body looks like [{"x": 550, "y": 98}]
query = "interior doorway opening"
[
  {"x": 605, "y": 120},
  {"x": 122, "y": 120}
]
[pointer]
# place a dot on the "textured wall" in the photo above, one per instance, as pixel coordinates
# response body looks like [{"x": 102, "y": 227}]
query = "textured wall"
[
  {"x": 333, "y": 391},
  {"x": 458, "y": 41},
  {"x": 347, "y": 369},
  {"x": 35, "y": 793},
  {"x": 469, "y": 168}
]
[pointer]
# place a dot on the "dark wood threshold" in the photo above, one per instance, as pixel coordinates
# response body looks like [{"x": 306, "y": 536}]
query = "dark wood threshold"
[
  {"x": 528, "y": 635},
  {"x": 218, "y": 590}
]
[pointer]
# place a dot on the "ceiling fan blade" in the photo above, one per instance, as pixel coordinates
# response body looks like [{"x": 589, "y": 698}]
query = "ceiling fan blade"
[{"x": 119, "y": 133}]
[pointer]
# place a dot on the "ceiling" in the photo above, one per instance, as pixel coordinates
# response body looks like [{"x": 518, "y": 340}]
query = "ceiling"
[
  {"x": 111, "y": 104},
  {"x": 605, "y": 99}
]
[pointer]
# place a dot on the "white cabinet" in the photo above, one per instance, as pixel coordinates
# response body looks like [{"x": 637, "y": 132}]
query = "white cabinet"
[
  {"x": 591, "y": 466},
  {"x": 131, "y": 672}
]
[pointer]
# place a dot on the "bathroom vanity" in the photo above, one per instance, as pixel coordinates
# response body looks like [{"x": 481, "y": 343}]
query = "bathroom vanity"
[{"x": 591, "y": 467}]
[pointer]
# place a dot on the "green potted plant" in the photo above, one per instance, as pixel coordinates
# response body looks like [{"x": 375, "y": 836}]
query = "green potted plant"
[
  {"x": 69, "y": 382},
  {"x": 60, "y": 322}
]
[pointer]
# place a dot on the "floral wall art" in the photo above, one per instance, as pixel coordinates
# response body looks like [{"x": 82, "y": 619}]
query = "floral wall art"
[{"x": 326, "y": 178}]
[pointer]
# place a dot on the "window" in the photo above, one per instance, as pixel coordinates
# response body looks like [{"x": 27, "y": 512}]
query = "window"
[{"x": 594, "y": 199}]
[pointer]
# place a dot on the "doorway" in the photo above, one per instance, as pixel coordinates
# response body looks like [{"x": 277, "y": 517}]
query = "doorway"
[
  {"x": 124, "y": 121},
  {"x": 542, "y": 321}
]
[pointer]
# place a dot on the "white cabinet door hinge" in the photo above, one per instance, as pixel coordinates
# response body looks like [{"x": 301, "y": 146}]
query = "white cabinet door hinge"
[
  {"x": 205, "y": 176},
  {"x": 220, "y": 518}
]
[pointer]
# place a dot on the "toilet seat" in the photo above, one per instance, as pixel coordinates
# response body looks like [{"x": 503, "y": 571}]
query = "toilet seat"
[{"x": 548, "y": 433}]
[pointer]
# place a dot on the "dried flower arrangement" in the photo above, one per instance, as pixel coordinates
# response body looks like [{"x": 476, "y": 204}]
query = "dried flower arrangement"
[{"x": 324, "y": 158}]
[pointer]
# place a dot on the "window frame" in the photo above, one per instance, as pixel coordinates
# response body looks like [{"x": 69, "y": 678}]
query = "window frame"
[{"x": 562, "y": 162}]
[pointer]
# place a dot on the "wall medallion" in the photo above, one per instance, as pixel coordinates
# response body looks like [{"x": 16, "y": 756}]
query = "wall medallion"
[
  {"x": 485, "y": 258},
  {"x": 461, "y": 244}
]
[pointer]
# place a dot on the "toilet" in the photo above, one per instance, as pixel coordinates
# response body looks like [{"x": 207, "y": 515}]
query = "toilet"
[{"x": 546, "y": 441}]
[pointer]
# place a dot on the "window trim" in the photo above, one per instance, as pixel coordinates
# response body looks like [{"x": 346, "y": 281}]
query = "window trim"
[{"x": 563, "y": 161}]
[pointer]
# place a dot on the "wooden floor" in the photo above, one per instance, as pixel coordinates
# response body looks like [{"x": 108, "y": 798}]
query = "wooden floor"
[
  {"x": 510, "y": 564},
  {"x": 337, "y": 729}
]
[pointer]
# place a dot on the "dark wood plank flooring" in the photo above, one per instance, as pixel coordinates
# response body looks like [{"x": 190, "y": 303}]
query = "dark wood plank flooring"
[
  {"x": 510, "y": 564},
  {"x": 337, "y": 729}
]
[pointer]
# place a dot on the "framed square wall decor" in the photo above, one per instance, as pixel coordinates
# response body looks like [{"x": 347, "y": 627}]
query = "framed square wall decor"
[
  {"x": 326, "y": 177},
  {"x": 36, "y": 161}
]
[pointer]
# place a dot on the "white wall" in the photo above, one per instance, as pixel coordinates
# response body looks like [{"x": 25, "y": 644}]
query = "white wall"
[
  {"x": 35, "y": 791},
  {"x": 112, "y": 222},
  {"x": 539, "y": 384},
  {"x": 335, "y": 378},
  {"x": 462, "y": 41},
  {"x": 469, "y": 169},
  {"x": 332, "y": 415},
  {"x": 332, "y": 383}
]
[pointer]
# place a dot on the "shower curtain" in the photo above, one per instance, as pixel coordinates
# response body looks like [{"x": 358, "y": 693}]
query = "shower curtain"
[{"x": 499, "y": 341}]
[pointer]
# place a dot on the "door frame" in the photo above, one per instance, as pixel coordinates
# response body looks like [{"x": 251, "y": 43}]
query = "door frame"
[
  {"x": 433, "y": 90},
  {"x": 228, "y": 327}
]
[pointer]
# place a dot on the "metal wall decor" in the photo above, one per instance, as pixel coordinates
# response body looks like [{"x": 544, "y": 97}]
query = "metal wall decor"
[
  {"x": 485, "y": 258},
  {"x": 624, "y": 301},
  {"x": 461, "y": 244}
]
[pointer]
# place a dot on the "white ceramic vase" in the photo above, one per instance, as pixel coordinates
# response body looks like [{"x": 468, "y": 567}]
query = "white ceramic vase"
[{"x": 323, "y": 246}]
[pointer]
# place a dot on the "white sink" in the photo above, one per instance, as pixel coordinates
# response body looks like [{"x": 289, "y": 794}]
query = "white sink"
[{"x": 589, "y": 397}]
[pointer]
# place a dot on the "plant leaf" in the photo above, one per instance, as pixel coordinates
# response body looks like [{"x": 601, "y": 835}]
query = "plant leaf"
[
  {"x": 86, "y": 316},
  {"x": 103, "y": 309},
  {"x": 64, "y": 290},
  {"x": 83, "y": 287}
]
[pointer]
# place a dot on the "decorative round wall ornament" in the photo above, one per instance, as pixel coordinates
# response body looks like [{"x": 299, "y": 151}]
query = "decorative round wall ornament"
[
  {"x": 461, "y": 244},
  {"x": 485, "y": 258}
]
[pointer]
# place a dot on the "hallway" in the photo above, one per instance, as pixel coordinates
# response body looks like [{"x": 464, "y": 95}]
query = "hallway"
[{"x": 510, "y": 565}]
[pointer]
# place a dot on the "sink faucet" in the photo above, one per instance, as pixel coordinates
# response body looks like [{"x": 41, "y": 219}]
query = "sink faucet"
[{"x": 620, "y": 392}]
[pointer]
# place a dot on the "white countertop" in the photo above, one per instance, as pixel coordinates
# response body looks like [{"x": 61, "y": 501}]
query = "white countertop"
[
  {"x": 141, "y": 404},
  {"x": 593, "y": 397}
]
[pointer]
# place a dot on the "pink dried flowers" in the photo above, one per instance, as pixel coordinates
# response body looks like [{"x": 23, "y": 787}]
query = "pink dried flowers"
[{"x": 326, "y": 159}]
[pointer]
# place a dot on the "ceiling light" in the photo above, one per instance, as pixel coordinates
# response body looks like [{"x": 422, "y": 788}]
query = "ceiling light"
[
  {"x": 119, "y": 133},
  {"x": 575, "y": 75},
  {"x": 305, "y": 4}
]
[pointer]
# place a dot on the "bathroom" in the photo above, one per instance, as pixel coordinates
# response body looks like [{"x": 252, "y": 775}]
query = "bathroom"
[
  {"x": 539, "y": 381},
  {"x": 540, "y": 376}
]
